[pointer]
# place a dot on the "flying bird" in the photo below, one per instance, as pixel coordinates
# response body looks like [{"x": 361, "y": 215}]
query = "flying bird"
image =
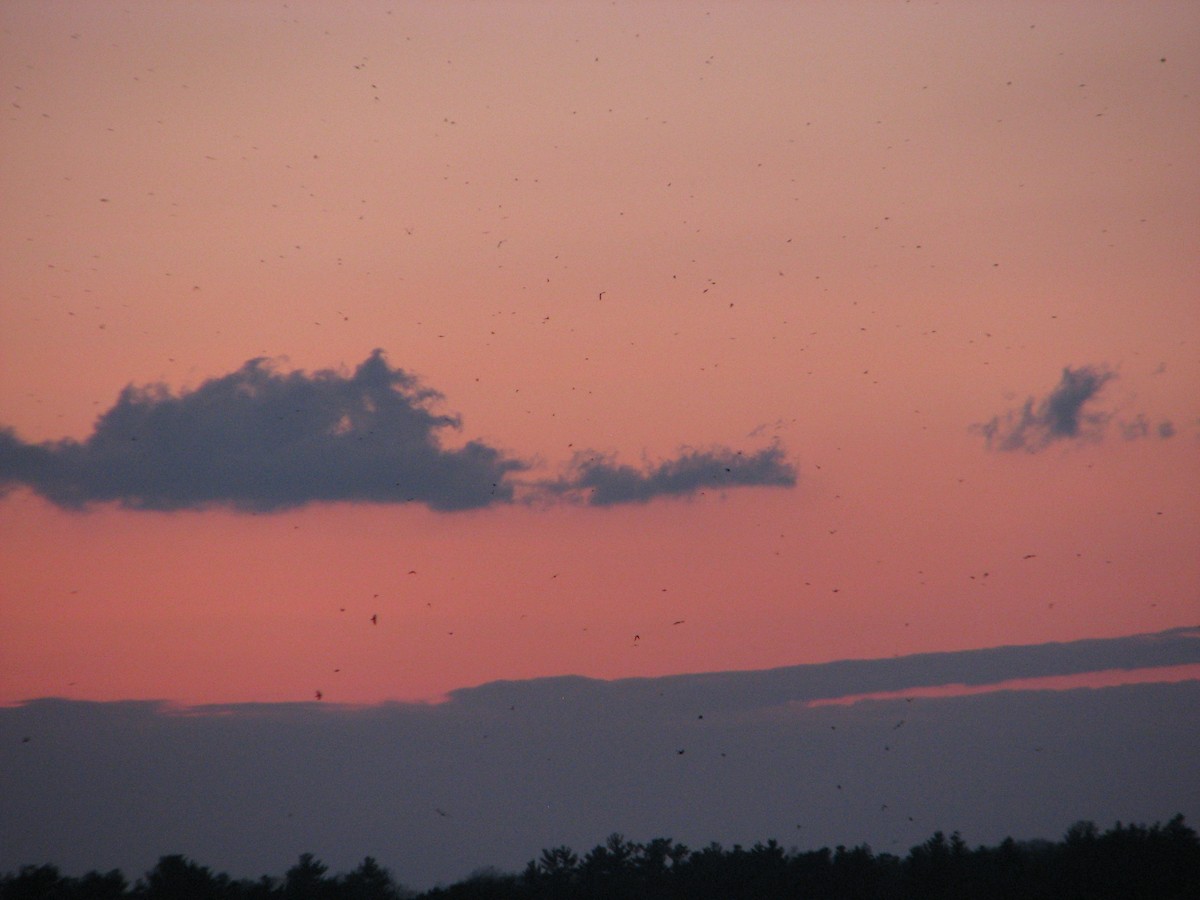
[{"x": 375, "y": 619}]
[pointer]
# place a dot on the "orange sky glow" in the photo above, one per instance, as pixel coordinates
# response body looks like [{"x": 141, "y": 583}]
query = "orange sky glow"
[{"x": 853, "y": 231}]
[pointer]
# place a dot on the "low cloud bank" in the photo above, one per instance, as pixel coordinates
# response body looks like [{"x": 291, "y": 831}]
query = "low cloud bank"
[{"x": 498, "y": 772}]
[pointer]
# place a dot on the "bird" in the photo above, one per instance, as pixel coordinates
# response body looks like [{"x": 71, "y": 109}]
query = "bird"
[
  {"x": 375, "y": 619},
  {"x": 319, "y": 695}
]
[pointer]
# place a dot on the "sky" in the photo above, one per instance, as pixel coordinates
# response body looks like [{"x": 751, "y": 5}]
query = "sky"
[{"x": 373, "y": 352}]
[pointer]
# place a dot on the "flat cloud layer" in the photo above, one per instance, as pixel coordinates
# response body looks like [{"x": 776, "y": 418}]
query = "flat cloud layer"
[
  {"x": 263, "y": 440},
  {"x": 499, "y": 772}
]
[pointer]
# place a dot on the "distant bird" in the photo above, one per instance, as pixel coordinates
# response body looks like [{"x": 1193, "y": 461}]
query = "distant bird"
[
  {"x": 25, "y": 740},
  {"x": 375, "y": 619},
  {"x": 679, "y": 752},
  {"x": 441, "y": 812},
  {"x": 1029, "y": 556},
  {"x": 678, "y": 622},
  {"x": 319, "y": 695}
]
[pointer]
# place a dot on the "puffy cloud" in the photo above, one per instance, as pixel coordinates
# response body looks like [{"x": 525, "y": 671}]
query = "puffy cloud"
[
  {"x": 1060, "y": 415},
  {"x": 259, "y": 439},
  {"x": 602, "y": 481}
]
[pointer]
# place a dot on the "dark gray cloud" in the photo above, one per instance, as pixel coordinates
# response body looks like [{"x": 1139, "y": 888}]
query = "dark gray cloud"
[
  {"x": 260, "y": 439},
  {"x": 1060, "y": 415},
  {"x": 499, "y": 772},
  {"x": 601, "y": 481},
  {"x": 263, "y": 440}
]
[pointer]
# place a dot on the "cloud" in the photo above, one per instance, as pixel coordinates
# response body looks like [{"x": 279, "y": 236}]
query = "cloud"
[
  {"x": 1139, "y": 427},
  {"x": 602, "y": 481},
  {"x": 259, "y": 439},
  {"x": 1061, "y": 415},
  {"x": 517, "y": 766}
]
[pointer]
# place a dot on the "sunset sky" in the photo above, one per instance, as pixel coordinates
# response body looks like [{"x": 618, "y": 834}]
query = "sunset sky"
[{"x": 710, "y": 337}]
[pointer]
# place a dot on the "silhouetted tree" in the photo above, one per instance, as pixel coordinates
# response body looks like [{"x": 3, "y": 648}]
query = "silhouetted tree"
[
  {"x": 35, "y": 883},
  {"x": 370, "y": 881},
  {"x": 306, "y": 880},
  {"x": 1130, "y": 862},
  {"x": 109, "y": 885},
  {"x": 176, "y": 877}
]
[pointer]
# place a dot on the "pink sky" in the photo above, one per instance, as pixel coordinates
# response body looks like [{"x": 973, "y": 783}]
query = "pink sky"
[{"x": 857, "y": 230}]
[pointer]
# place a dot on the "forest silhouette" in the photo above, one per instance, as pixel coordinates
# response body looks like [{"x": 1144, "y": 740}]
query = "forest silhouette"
[{"x": 1131, "y": 862}]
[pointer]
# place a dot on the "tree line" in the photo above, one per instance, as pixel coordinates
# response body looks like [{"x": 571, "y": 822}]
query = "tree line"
[{"x": 1126, "y": 862}]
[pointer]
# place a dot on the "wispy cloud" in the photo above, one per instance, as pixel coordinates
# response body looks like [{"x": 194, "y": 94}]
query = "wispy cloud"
[
  {"x": 1063, "y": 414},
  {"x": 1139, "y": 427},
  {"x": 599, "y": 480},
  {"x": 260, "y": 439}
]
